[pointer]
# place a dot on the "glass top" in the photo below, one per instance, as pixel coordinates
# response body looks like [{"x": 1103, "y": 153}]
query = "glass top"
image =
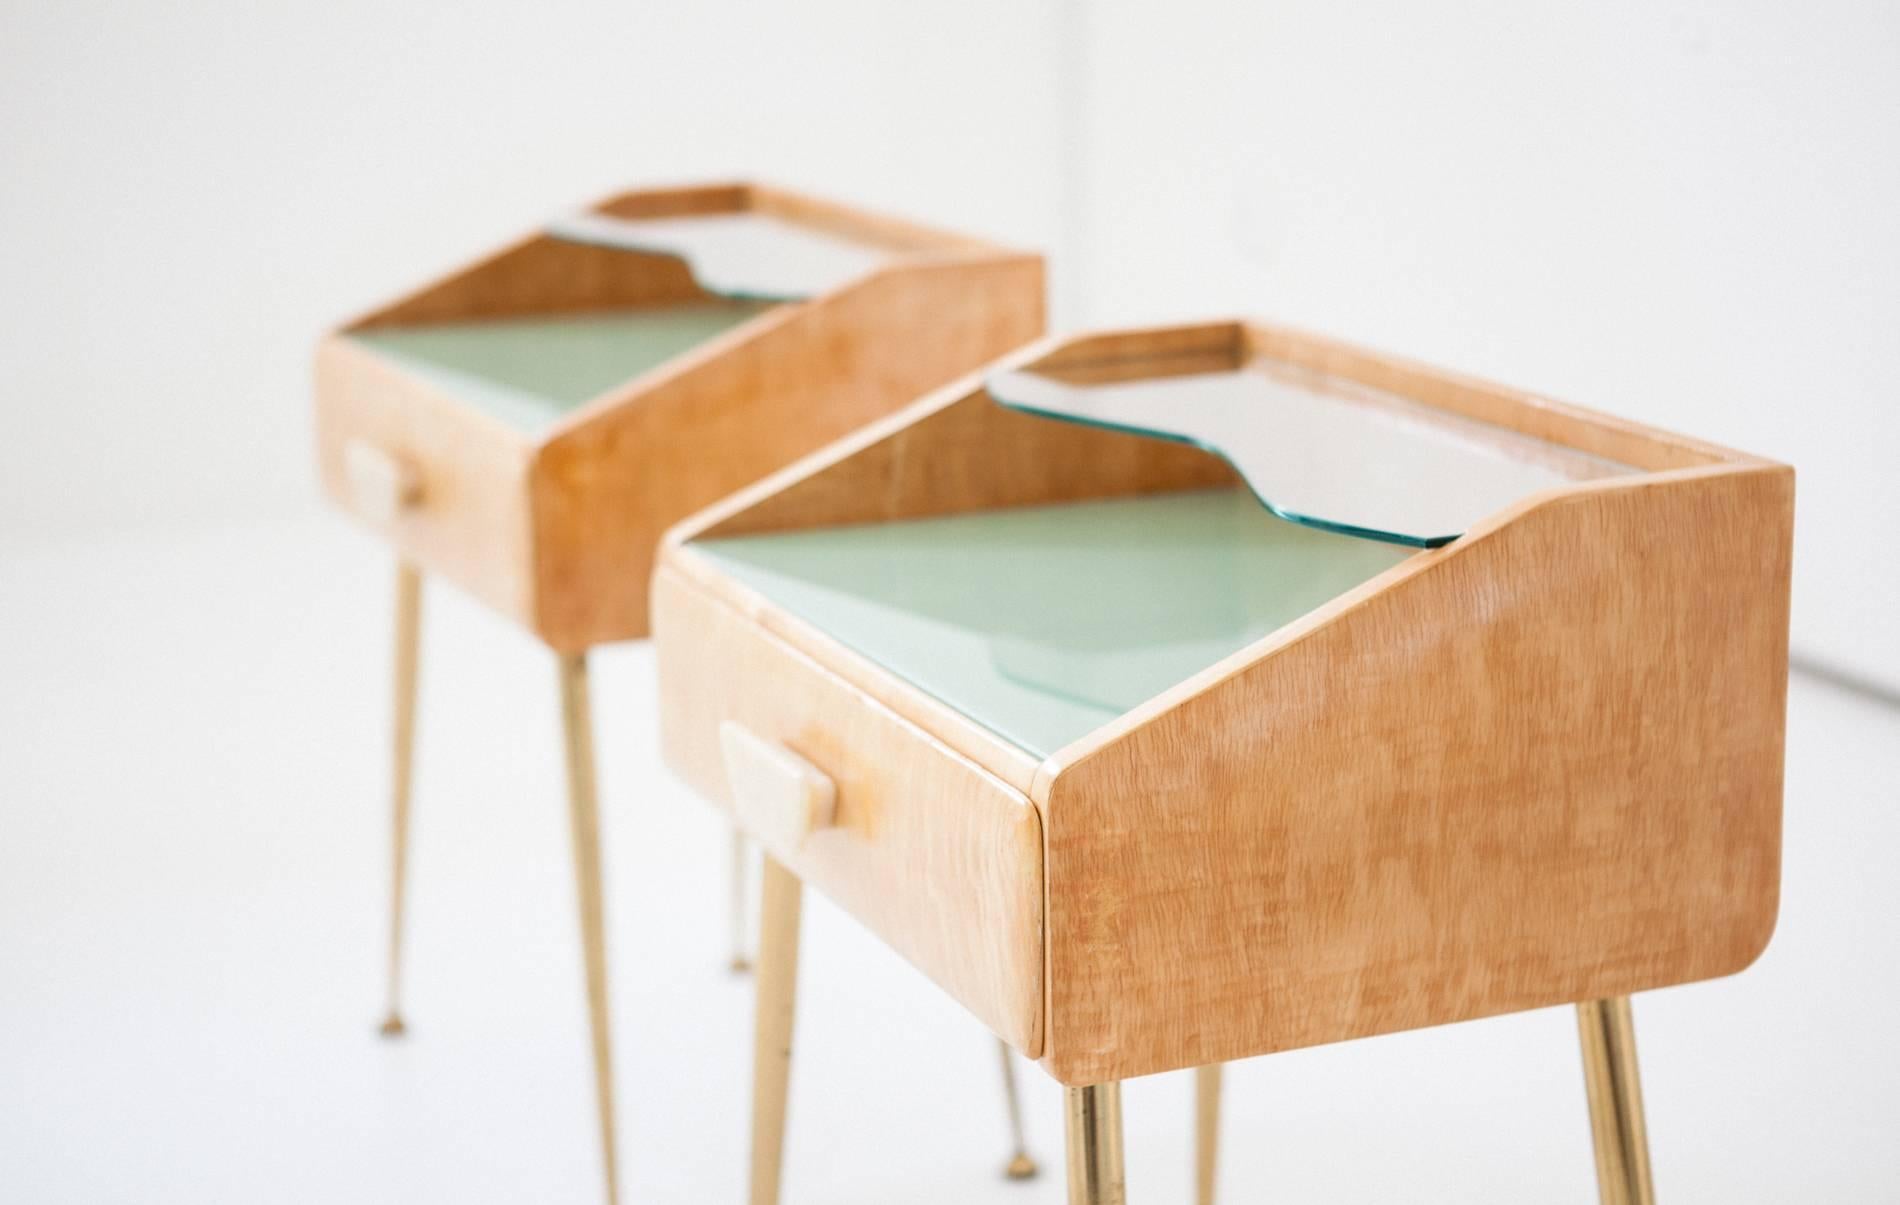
[
  {"x": 531, "y": 370},
  {"x": 1322, "y": 451},
  {"x": 746, "y": 255},
  {"x": 1043, "y": 623}
]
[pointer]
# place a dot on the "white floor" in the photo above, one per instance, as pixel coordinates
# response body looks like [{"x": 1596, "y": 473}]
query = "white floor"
[{"x": 192, "y": 861}]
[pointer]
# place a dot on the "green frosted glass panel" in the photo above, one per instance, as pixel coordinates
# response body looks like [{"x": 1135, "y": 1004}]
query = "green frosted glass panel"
[
  {"x": 1323, "y": 451},
  {"x": 529, "y": 371},
  {"x": 1043, "y": 623}
]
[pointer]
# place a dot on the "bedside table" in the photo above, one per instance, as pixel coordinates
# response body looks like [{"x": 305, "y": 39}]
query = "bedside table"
[
  {"x": 528, "y": 427},
  {"x": 1178, "y": 696}
]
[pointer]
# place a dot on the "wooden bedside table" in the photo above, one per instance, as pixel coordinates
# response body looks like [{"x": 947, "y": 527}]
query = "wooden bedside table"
[
  {"x": 527, "y": 428},
  {"x": 1149, "y": 778}
]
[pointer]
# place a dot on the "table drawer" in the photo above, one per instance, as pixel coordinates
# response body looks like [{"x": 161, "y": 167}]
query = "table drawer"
[
  {"x": 464, "y": 510},
  {"x": 938, "y": 857}
]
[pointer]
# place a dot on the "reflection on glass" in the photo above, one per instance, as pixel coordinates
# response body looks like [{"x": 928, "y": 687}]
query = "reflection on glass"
[
  {"x": 746, "y": 255},
  {"x": 1042, "y": 623},
  {"x": 531, "y": 370},
  {"x": 1322, "y": 451}
]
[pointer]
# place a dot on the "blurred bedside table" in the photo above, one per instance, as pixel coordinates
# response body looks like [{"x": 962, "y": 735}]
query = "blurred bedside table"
[
  {"x": 1486, "y": 714},
  {"x": 528, "y": 427}
]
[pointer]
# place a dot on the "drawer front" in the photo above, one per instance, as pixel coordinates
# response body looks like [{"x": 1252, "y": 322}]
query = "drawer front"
[
  {"x": 447, "y": 487},
  {"x": 935, "y": 855}
]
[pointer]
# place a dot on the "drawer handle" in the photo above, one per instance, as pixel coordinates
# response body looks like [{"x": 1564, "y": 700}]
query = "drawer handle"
[
  {"x": 381, "y": 483},
  {"x": 780, "y": 797}
]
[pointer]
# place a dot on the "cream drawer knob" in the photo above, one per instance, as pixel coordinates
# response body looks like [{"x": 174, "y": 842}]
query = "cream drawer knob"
[
  {"x": 381, "y": 483},
  {"x": 780, "y": 797}
]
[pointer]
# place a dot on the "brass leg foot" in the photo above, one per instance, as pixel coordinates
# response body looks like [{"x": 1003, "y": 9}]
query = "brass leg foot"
[
  {"x": 401, "y": 762},
  {"x": 1621, "y": 1138},
  {"x": 739, "y": 964},
  {"x": 1020, "y": 1166},
  {"x": 780, "y": 901},
  {"x": 1094, "y": 1117},
  {"x": 584, "y": 814},
  {"x": 1206, "y": 1130}
]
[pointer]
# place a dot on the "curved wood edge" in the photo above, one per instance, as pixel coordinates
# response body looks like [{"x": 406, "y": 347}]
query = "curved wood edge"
[{"x": 1542, "y": 764}]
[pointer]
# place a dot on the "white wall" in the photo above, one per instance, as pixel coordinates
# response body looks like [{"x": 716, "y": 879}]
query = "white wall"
[
  {"x": 1688, "y": 214},
  {"x": 191, "y": 193},
  {"x": 1677, "y": 212}
]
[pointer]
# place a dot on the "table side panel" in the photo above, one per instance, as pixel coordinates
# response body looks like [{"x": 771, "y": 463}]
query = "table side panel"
[
  {"x": 1543, "y": 767},
  {"x": 939, "y": 858}
]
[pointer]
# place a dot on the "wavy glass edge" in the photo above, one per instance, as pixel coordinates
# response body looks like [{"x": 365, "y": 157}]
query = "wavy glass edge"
[
  {"x": 1457, "y": 440},
  {"x": 744, "y": 256}
]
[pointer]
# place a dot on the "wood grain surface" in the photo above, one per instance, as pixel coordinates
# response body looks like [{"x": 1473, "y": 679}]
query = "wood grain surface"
[
  {"x": 1537, "y": 766},
  {"x": 610, "y": 481},
  {"x": 557, "y": 529}
]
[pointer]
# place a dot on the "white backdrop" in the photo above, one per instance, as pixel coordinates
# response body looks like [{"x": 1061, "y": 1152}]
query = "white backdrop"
[
  {"x": 194, "y": 192},
  {"x": 1680, "y": 212},
  {"x": 1684, "y": 213}
]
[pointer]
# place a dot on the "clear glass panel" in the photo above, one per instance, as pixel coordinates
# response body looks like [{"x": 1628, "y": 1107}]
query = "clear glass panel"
[
  {"x": 1043, "y": 623},
  {"x": 749, "y": 255},
  {"x": 531, "y": 370},
  {"x": 1322, "y": 451}
]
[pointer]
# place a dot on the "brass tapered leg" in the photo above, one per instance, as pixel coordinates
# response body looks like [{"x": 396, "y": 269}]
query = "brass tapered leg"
[
  {"x": 1094, "y": 1116},
  {"x": 402, "y": 761},
  {"x": 1020, "y": 1166},
  {"x": 1616, "y": 1102},
  {"x": 740, "y": 964},
  {"x": 780, "y": 900},
  {"x": 577, "y": 732},
  {"x": 1206, "y": 1130}
]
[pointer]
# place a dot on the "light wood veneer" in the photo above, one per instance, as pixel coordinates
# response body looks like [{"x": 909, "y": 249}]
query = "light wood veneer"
[
  {"x": 1539, "y": 765},
  {"x": 556, "y": 528}
]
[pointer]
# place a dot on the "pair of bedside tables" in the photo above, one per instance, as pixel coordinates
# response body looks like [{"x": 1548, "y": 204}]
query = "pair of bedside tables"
[{"x": 1168, "y": 697}]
